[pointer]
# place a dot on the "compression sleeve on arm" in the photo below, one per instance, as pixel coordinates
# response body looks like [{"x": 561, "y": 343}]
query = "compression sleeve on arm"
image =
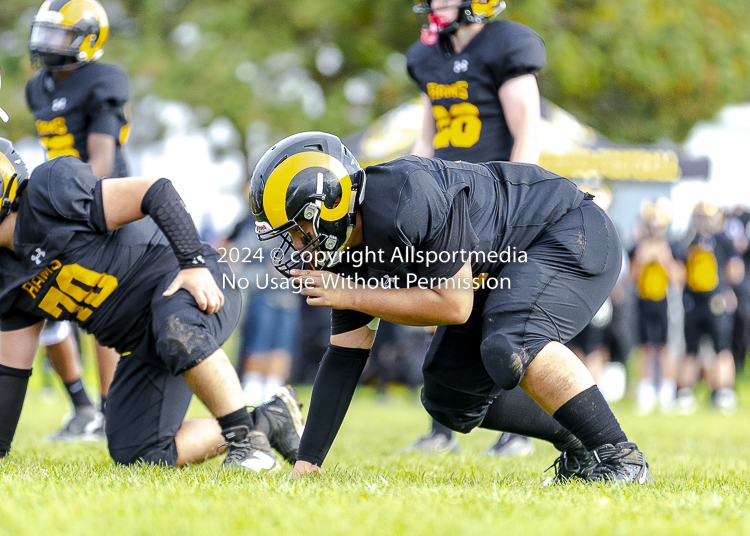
[
  {"x": 13, "y": 383},
  {"x": 332, "y": 393},
  {"x": 165, "y": 206}
]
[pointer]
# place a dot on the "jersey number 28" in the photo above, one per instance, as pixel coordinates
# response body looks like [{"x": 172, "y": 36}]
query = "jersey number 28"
[{"x": 459, "y": 126}]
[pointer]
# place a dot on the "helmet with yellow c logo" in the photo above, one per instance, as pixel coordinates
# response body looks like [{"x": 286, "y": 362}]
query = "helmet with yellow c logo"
[{"x": 308, "y": 177}]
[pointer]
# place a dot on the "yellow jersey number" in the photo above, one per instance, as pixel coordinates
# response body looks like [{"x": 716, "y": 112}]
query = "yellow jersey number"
[
  {"x": 69, "y": 295},
  {"x": 459, "y": 126},
  {"x": 55, "y": 138}
]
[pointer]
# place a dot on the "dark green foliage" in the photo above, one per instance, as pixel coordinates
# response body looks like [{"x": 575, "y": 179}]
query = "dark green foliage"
[{"x": 637, "y": 71}]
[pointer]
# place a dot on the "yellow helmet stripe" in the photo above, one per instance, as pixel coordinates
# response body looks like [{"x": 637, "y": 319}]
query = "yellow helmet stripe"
[
  {"x": 487, "y": 9},
  {"x": 7, "y": 171},
  {"x": 274, "y": 192}
]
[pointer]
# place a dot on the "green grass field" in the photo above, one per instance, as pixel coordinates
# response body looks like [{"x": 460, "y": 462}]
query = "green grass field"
[{"x": 701, "y": 467}]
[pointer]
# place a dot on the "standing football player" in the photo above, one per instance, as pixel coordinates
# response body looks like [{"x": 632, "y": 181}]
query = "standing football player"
[
  {"x": 79, "y": 107},
  {"x": 432, "y": 234},
  {"x": 481, "y": 104},
  {"x": 122, "y": 259},
  {"x": 712, "y": 266},
  {"x": 653, "y": 268}
]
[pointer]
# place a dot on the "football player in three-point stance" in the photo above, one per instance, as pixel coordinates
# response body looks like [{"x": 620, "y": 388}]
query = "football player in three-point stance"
[
  {"x": 79, "y": 108},
  {"x": 122, "y": 259},
  {"x": 430, "y": 232},
  {"x": 481, "y": 103}
]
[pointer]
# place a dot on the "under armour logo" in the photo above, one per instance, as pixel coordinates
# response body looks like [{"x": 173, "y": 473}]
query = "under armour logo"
[
  {"x": 460, "y": 66},
  {"x": 38, "y": 257},
  {"x": 199, "y": 260},
  {"x": 388, "y": 282},
  {"x": 59, "y": 104}
]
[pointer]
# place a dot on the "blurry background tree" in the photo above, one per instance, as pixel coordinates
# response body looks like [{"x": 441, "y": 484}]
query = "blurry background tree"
[{"x": 637, "y": 71}]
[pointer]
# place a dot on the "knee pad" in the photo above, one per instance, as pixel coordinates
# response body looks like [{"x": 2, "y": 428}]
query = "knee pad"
[
  {"x": 505, "y": 362},
  {"x": 182, "y": 345},
  {"x": 461, "y": 420}
]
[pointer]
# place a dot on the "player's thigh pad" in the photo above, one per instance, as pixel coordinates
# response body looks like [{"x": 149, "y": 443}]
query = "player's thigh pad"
[
  {"x": 145, "y": 408},
  {"x": 571, "y": 270},
  {"x": 457, "y": 388},
  {"x": 184, "y": 335}
]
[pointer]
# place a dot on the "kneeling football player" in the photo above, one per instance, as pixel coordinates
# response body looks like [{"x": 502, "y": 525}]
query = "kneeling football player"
[{"x": 122, "y": 258}]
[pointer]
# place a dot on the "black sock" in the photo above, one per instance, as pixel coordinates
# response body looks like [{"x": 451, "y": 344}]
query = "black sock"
[
  {"x": 516, "y": 412},
  {"x": 78, "y": 394},
  {"x": 438, "y": 428},
  {"x": 236, "y": 418},
  {"x": 13, "y": 384},
  {"x": 103, "y": 404},
  {"x": 588, "y": 417}
]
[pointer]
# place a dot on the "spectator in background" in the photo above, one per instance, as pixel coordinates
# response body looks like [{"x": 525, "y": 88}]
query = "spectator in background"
[
  {"x": 481, "y": 103},
  {"x": 712, "y": 265},
  {"x": 270, "y": 320},
  {"x": 653, "y": 267},
  {"x": 79, "y": 106}
]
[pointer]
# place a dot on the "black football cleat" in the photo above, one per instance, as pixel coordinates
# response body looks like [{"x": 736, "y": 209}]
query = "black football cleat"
[
  {"x": 571, "y": 464},
  {"x": 434, "y": 443},
  {"x": 248, "y": 450},
  {"x": 511, "y": 446},
  {"x": 619, "y": 463},
  {"x": 281, "y": 419},
  {"x": 86, "y": 424}
]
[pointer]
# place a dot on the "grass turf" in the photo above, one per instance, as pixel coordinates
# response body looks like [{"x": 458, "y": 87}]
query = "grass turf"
[{"x": 701, "y": 467}]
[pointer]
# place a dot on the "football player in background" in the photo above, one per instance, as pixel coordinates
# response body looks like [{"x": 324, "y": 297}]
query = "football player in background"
[
  {"x": 653, "y": 268},
  {"x": 501, "y": 324},
  {"x": 481, "y": 103},
  {"x": 712, "y": 265},
  {"x": 79, "y": 248},
  {"x": 79, "y": 106}
]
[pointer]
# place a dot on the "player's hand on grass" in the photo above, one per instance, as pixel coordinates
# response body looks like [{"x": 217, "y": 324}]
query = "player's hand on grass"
[
  {"x": 322, "y": 288},
  {"x": 201, "y": 285},
  {"x": 304, "y": 469}
]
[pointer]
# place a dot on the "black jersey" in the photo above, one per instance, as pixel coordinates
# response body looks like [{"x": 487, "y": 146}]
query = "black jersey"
[
  {"x": 91, "y": 99},
  {"x": 416, "y": 209},
  {"x": 67, "y": 266},
  {"x": 463, "y": 88}
]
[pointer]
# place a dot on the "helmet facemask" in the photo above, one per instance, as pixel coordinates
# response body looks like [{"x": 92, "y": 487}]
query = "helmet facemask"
[{"x": 321, "y": 249}]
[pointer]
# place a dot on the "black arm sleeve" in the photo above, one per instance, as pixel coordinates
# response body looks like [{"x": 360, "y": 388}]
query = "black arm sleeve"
[
  {"x": 165, "y": 206},
  {"x": 13, "y": 383},
  {"x": 332, "y": 393}
]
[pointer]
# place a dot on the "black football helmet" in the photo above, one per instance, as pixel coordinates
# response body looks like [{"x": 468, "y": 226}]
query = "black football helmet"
[
  {"x": 68, "y": 33},
  {"x": 14, "y": 176},
  {"x": 312, "y": 177},
  {"x": 469, "y": 12}
]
